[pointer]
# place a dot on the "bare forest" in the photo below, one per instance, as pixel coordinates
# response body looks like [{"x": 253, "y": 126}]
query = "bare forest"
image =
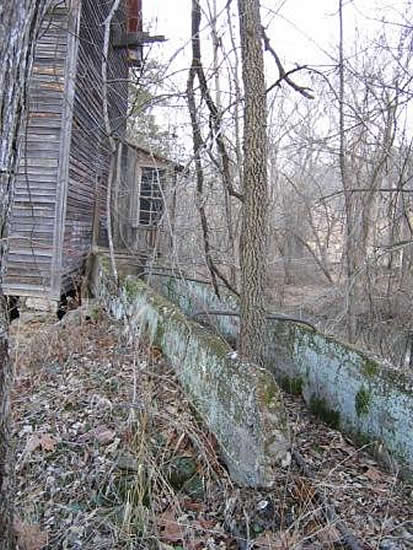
[
  {"x": 338, "y": 150},
  {"x": 281, "y": 177}
]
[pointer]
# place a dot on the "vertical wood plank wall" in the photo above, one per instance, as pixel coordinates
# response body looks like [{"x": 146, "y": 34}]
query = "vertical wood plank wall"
[
  {"x": 89, "y": 152},
  {"x": 66, "y": 158},
  {"x": 33, "y": 211}
]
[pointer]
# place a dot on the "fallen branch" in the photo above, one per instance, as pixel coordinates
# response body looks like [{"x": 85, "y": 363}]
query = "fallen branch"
[
  {"x": 270, "y": 317},
  {"x": 331, "y": 514}
]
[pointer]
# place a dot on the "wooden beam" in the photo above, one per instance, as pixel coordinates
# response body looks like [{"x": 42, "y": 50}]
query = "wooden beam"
[{"x": 134, "y": 39}]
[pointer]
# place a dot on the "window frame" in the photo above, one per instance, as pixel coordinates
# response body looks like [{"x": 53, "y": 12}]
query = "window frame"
[{"x": 151, "y": 199}]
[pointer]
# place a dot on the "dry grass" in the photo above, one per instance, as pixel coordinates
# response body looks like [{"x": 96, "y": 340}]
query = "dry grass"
[{"x": 111, "y": 455}]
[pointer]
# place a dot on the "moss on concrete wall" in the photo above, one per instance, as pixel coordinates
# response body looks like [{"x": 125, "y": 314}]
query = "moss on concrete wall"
[
  {"x": 362, "y": 401},
  {"x": 241, "y": 403},
  {"x": 345, "y": 386}
]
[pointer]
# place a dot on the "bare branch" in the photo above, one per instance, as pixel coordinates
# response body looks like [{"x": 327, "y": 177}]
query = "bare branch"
[
  {"x": 198, "y": 142},
  {"x": 213, "y": 110},
  {"x": 284, "y": 75},
  {"x": 364, "y": 190}
]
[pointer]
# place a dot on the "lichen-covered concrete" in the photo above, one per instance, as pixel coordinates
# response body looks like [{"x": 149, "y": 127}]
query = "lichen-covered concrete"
[
  {"x": 196, "y": 297},
  {"x": 360, "y": 395},
  {"x": 241, "y": 403},
  {"x": 347, "y": 388}
]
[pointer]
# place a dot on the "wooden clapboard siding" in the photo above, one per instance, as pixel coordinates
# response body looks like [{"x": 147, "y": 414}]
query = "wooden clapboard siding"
[
  {"x": 90, "y": 152},
  {"x": 31, "y": 236},
  {"x": 62, "y": 180}
]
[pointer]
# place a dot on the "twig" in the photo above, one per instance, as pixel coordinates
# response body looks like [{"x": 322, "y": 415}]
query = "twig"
[
  {"x": 108, "y": 130},
  {"x": 329, "y": 508},
  {"x": 284, "y": 75}
]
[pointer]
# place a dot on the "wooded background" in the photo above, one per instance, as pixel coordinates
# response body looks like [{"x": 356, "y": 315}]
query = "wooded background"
[{"x": 297, "y": 193}]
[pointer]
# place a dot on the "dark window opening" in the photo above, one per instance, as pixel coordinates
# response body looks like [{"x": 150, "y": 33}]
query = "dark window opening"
[{"x": 151, "y": 200}]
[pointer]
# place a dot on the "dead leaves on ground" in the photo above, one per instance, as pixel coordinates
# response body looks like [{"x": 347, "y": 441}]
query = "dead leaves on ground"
[
  {"x": 74, "y": 434},
  {"x": 102, "y": 434},
  {"x": 276, "y": 541},
  {"x": 42, "y": 441},
  {"x": 29, "y": 537},
  {"x": 193, "y": 533}
]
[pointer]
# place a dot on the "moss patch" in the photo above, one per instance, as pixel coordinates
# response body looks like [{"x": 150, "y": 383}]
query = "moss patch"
[
  {"x": 319, "y": 407},
  {"x": 269, "y": 394},
  {"x": 132, "y": 287},
  {"x": 181, "y": 470},
  {"x": 370, "y": 368},
  {"x": 362, "y": 401},
  {"x": 104, "y": 261},
  {"x": 293, "y": 385}
]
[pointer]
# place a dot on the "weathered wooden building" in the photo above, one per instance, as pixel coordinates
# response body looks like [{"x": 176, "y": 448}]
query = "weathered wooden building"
[
  {"x": 144, "y": 201},
  {"x": 78, "y": 94}
]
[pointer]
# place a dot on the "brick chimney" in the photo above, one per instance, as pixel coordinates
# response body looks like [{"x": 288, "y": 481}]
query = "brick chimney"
[
  {"x": 134, "y": 25},
  {"x": 134, "y": 16}
]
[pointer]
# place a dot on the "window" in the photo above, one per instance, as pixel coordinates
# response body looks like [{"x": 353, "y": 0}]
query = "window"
[{"x": 150, "y": 198}]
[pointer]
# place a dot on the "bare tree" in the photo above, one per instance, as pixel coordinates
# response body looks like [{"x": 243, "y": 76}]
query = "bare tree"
[
  {"x": 373, "y": 94},
  {"x": 340, "y": 213}
]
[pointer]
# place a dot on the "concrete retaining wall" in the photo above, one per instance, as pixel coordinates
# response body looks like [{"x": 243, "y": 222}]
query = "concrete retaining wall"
[
  {"x": 241, "y": 404},
  {"x": 347, "y": 388}
]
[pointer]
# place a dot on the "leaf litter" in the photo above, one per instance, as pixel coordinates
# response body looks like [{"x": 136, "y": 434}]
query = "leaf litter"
[{"x": 110, "y": 455}]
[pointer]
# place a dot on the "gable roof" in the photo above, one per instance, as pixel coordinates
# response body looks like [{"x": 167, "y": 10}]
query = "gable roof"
[{"x": 155, "y": 156}]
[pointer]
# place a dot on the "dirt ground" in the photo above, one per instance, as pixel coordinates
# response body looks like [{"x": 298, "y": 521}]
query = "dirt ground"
[{"x": 110, "y": 455}]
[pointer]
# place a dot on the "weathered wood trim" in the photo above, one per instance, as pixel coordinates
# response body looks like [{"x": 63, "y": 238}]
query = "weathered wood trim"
[
  {"x": 63, "y": 168},
  {"x": 133, "y": 184},
  {"x": 33, "y": 291},
  {"x": 134, "y": 39}
]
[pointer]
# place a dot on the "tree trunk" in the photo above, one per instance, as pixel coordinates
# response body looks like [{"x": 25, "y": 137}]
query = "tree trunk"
[
  {"x": 20, "y": 22},
  {"x": 255, "y": 207}
]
